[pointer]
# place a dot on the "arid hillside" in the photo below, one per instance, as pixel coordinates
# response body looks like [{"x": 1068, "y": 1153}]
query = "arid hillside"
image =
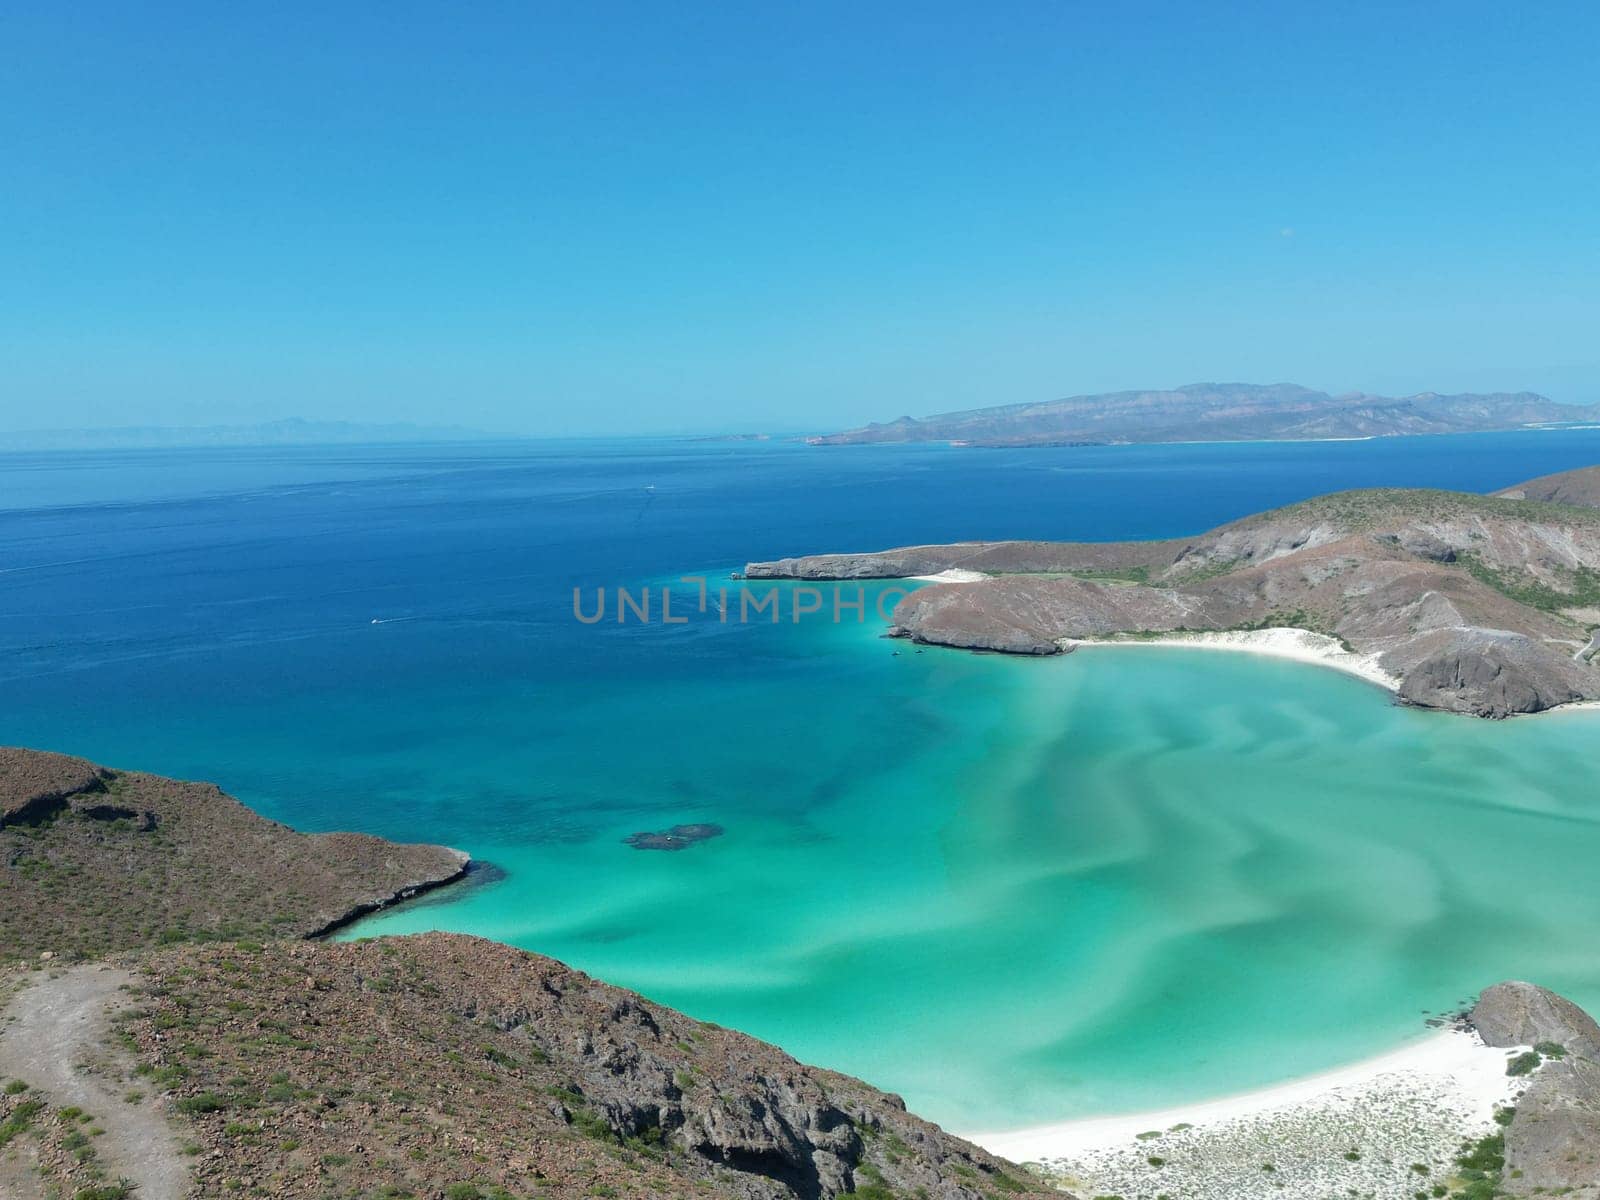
[
  {"x": 1484, "y": 605},
  {"x": 94, "y": 861}
]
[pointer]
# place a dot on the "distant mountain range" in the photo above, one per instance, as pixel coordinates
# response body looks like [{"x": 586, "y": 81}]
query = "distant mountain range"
[
  {"x": 1221, "y": 412},
  {"x": 293, "y": 431}
]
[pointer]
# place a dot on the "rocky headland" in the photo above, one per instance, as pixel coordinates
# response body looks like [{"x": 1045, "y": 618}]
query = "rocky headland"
[
  {"x": 1551, "y": 1144},
  {"x": 97, "y": 860},
  {"x": 1484, "y": 605}
]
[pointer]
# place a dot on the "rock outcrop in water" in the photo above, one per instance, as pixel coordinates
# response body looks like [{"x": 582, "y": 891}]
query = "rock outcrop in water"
[
  {"x": 1479, "y": 605},
  {"x": 1552, "y": 1144}
]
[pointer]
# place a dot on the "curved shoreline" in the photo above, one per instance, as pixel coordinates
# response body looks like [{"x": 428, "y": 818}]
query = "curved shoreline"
[
  {"x": 1294, "y": 645},
  {"x": 1286, "y": 642},
  {"x": 1451, "y": 1067}
]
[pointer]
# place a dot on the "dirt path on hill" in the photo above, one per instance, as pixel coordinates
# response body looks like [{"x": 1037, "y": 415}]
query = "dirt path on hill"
[
  {"x": 1591, "y": 647},
  {"x": 55, "y": 1036}
]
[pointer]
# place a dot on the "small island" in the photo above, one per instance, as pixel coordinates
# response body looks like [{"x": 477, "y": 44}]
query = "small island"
[{"x": 1482, "y": 605}]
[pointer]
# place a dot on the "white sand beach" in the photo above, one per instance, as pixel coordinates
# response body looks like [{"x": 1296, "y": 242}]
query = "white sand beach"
[
  {"x": 1300, "y": 645},
  {"x": 952, "y": 575},
  {"x": 1381, "y": 1125}
]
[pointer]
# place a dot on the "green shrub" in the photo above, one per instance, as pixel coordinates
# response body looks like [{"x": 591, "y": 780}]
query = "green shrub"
[
  {"x": 1479, "y": 1165},
  {"x": 21, "y": 1117},
  {"x": 1525, "y": 1063},
  {"x": 120, "y": 1190},
  {"x": 204, "y": 1102},
  {"x": 591, "y": 1124},
  {"x": 500, "y": 1057}
]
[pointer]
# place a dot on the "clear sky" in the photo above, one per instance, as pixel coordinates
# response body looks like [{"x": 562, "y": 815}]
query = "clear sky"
[{"x": 607, "y": 217}]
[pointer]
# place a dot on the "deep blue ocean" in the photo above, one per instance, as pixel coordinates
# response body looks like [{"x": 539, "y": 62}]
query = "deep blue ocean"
[{"x": 1101, "y": 863}]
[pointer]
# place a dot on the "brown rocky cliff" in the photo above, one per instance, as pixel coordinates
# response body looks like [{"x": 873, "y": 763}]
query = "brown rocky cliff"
[{"x": 1552, "y": 1144}]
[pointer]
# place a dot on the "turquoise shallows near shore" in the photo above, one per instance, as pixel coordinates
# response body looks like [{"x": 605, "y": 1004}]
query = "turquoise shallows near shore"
[
  {"x": 1015, "y": 891},
  {"x": 1120, "y": 880}
]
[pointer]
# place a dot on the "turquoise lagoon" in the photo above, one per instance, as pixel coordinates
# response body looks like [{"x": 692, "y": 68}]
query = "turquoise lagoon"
[
  {"x": 1013, "y": 891},
  {"x": 1113, "y": 881}
]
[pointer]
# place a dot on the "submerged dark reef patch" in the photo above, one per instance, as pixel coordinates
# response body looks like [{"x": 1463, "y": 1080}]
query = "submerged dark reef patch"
[{"x": 679, "y": 837}]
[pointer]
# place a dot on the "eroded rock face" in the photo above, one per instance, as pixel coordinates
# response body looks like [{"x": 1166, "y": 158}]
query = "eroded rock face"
[
  {"x": 784, "y": 1128},
  {"x": 1424, "y": 545},
  {"x": 1553, "y": 1142},
  {"x": 1490, "y": 674},
  {"x": 1522, "y": 1014},
  {"x": 557, "y": 1085},
  {"x": 1026, "y": 615}
]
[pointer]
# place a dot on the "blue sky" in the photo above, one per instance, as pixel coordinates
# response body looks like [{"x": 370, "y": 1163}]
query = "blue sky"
[{"x": 616, "y": 217}]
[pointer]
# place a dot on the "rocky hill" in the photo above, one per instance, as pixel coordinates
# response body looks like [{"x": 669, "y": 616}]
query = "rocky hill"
[
  {"x": 232, "y": 1057},
  {"x": 1580, "y": 488},
  {"x": 1476, "y": 604},
  {"x": 1551, "y": 1145},
  {"x": 94, "y": 860},
  {"x": 1208, "y": 412},
  {"x": 425, "y": 1063}
]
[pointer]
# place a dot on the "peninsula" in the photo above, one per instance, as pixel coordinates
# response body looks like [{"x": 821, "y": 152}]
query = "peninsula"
[
  {"x": 1484, "y": 605},
  {"x": 1221, "y": 412}
]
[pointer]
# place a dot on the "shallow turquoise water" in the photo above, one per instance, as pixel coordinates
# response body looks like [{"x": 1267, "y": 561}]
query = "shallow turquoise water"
[
  {"x": 1120, "y": 879},
  {"x": 1014, "y": 891}
]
